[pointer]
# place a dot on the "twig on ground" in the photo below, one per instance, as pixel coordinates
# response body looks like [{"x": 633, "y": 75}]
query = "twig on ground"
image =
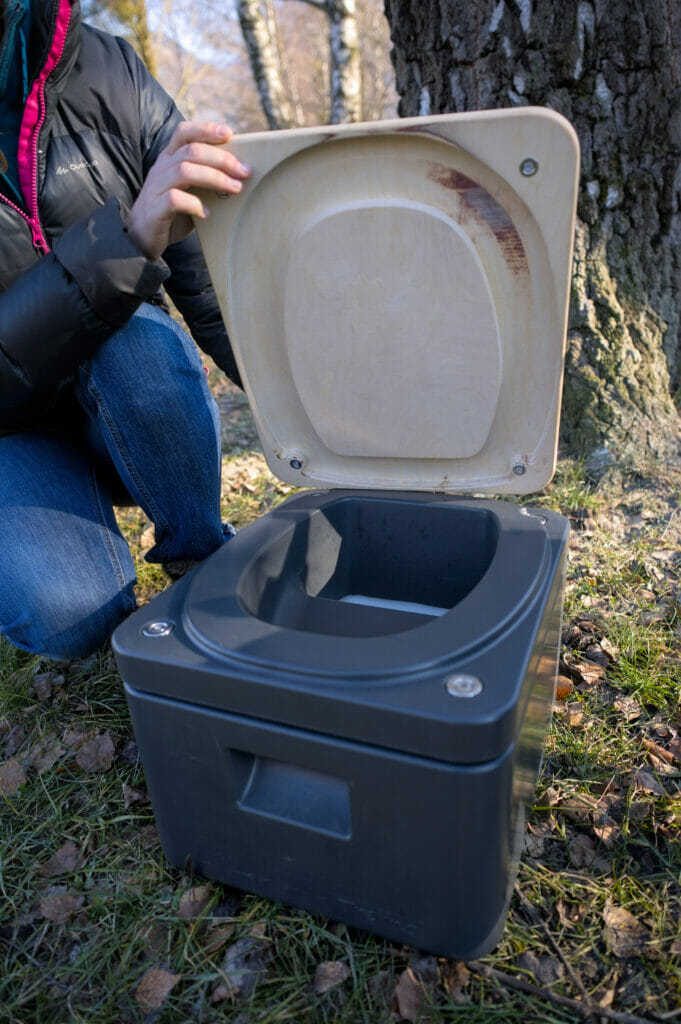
[
  {"x": 572, "y": 974},
  {"x": 544, "y": 993}
]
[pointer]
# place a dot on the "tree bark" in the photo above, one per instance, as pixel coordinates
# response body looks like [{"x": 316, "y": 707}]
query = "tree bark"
[
  {"x": 614, "y": 70},
  {"x": 262, "y": 53}
]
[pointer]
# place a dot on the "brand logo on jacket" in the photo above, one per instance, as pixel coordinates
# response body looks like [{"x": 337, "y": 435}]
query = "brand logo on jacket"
[{"x": 63, "y": 169}]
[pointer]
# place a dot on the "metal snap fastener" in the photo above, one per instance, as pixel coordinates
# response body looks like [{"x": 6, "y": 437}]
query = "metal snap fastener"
[
  {"x": 529, "y": 167},
  {"x": 463, "y": 686},
  {"x": 160, "y": 628},
  {"x": 296, "y": 463},
  {"x": 520, "y": 468}
]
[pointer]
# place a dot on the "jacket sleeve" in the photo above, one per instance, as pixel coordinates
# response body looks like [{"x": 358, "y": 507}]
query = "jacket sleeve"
[
  {"x": 60, "y": 310},
  {"x": 189, "y": 284}
]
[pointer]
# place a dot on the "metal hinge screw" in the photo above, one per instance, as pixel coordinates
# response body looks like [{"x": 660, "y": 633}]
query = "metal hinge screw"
[
  {"x": 529, "y": 167},
  {"x": 463, "y": 686},
  {"x": 160, "y": 628}
]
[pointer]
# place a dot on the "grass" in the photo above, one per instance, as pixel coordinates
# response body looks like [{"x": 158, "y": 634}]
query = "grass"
[{"x": 604, "y": 835}]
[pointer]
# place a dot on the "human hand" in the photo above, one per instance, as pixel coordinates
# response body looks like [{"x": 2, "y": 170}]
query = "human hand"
[{"x": 163, "y": 211}]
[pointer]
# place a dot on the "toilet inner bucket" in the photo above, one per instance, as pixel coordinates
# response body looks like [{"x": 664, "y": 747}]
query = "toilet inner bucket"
[{"x": 366, "y": 567}]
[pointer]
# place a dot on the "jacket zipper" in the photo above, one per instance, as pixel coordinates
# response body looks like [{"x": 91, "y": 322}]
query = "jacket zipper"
[{"x": 53, "y": 59}]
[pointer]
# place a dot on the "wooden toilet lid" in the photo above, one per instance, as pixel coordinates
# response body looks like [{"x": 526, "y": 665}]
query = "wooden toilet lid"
[{"x": 396, "y": 296}]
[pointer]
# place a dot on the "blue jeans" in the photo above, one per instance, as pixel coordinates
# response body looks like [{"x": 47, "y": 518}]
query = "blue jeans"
[{"x": 149, "y": 422}]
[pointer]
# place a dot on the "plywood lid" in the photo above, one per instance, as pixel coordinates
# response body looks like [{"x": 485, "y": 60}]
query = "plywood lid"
[{"x": 396, "y": 295}]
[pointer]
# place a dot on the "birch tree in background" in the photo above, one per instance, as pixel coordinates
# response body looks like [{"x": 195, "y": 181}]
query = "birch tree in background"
[
  {"x": 259, "y": 28},
  {"x": 259, "y": 32}
]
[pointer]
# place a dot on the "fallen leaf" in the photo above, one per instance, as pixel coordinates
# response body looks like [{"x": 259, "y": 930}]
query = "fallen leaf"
[
  {"x": 74, "y": 738},
  {"x": 258, "y": 930},
  {"x": 194, "y": 901},
  {"x": 42, "y": 684},
  {"x": 547, "y": 970},
  {"x": 675, "y": 748},
  {"x": 658, "y": 751},
  {"x": 45, "y": 755},
  {"x": 639, "y": 810},
  {"x": 155, "y": 987},
  {"x": 58, "y": 905},
  {"x": 569, "y": 913},
  {"x": 583, "y": 853},
  {"x": 647, "y": 782},
  {"x": 96, "y": 754},
  {"x": 675, "y": 947},
  {"x": 244, "y": 966},
  {"x": 14, "y": 740},
  {"x": 410, "y": 996},
  {"x": 217, "y": 937},
  {"x": 66, "y": 859},
  {"x": 588, "y": 674},
  {"x": 625, "y": 935},
  {"x": 595, "y": 653},
  {"x": 628, "y": 707},
  {"x": 133, "y": 796},
  {"x": 328, "y": 975},
  {"x": 129, "y": 754},
  {"x": 11, "y": 777},
  {"x": 454, "y": 978},
  {"x": 564, "y": 687},
  {"x": 220, "y": 993}
]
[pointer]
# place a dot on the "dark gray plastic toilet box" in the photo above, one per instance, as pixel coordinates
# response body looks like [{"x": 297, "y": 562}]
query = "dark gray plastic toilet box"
[{"x": 393, "y": 797}]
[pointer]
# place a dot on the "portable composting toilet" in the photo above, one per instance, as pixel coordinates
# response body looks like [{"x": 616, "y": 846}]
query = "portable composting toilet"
[{"x": 344, "y": 708}]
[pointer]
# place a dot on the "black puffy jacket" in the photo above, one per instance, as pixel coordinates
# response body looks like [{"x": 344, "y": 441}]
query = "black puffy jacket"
[{"x": 94, "y": 123}]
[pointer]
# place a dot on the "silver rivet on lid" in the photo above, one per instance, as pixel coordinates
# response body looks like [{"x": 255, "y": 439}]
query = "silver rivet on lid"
[
  {"x": 463, "y": 686},
  {"x": 520, "y": 468},
  {"x": 296, "y": 463},
  {"x": 529, "y": 167},
  {"x": 156, "y": 629}
]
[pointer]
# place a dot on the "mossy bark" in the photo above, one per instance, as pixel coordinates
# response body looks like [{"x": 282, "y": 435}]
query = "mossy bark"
[{"x": 614, "y": 69}]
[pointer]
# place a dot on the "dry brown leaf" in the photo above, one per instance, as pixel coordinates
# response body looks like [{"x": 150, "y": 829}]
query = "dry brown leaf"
[
  {"x": 45, "y": 755},
  {"x": 675, "y": 948},
  {"x": 66, "y": 859},
  {"x": 96, "y": 754},
  {"x": 569, "y": 913},
  {"x": 44, "y": 682},
  {"x": 588, "y": 674},
  {"x": 244, "y": 965},
  {"x": 658, "y": 751},
  {"x": 74, "y": 738},
  {"x": 675, "y": 748},
  {"x": 258, "y": 930},
  {"x": 132, "y": 796},
  {"x": 410, "y": 997},
  {"x": 11, "y": 777},
  {"x": 639, "y": 810},
  {"x": 547, "y": 970},
  {"x": 220, "y": 993},
  {"x": 564, "y": 687},
  {"x": 455, "y": 977},
  {"x": 155, "y": 987},
  {"x": 608, "y": 834},
  {"x": 628, "y": 707},
  {"x": 217, "y": 937},
  {"x": 194, "y": 901},
  {"x": 58, "y": 904},
  {"x": 14, "y": 740},
  {"x": 647, "y": 782},
  {"x": 328, "y": 975},
  {"x": 625, "y": 935}
]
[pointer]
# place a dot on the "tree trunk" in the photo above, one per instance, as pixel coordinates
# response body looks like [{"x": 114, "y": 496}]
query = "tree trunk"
[
  {"x": 262, "y": 53},
  {"x": 346, "y": 72},
  {"x": 614, "y": 70}
]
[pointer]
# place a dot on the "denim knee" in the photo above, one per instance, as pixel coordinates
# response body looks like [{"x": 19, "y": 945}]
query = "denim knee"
[{"x": 62, "y": 627}]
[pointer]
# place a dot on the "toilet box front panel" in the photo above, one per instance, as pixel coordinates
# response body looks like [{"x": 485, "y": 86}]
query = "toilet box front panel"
[{"x": 412, "y": 849}]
